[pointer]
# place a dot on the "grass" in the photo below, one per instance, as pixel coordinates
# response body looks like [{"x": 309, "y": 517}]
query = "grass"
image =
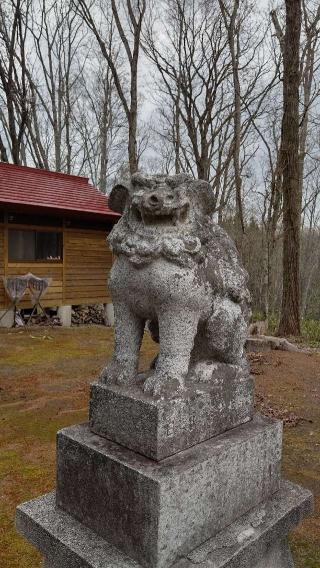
[
  {"x": 310, "y": 332},
  {"x": 44, "y": 386}
]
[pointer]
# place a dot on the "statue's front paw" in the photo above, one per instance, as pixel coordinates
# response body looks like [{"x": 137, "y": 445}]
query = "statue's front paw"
[
  {"x": 116, "y": 373},
  {"x": 161, "y": 384}
]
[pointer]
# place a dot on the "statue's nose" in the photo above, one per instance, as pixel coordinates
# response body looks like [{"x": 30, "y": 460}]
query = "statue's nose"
[{"x": 155, "y": 200}]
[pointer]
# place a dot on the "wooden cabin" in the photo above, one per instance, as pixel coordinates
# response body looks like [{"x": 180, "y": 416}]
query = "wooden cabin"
[{"x": 54, "y": 225}]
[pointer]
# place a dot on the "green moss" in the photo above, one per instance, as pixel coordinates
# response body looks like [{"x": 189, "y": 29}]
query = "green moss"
[
  {"x": 44, "y": 378},
  {"x": 310, "y": 330},
  {"x": 40, "y": 426},
  {"x": 22, "y": 480},
  {"x": 10, "y": 461}
]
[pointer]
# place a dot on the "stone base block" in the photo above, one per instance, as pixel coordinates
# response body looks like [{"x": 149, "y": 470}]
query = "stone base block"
[
  {"x": 257, "y": 540},
  {"x": 158, "y": 428},
  {"x": 65, "y": 315},
  {"x": 156, "y": 511}
]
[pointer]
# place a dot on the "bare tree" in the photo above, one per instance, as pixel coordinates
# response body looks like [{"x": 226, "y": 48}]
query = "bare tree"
[
  {"x": 13, "y": 76},
  {"x": 232, "y": 24},
  {"x": 192, "y": 78},
  {"x": 290, "y": 311},
  {"x": 130, "y": 37},
  {"x": 3, "y": 151},
  {"x": 271, "y": 202},
  {"x": 99, "y": 123},
  {"x": 55, "y": 32},
  {"x": 310, "y": 257},
  {"x": 309, "y": 65},
  {"x": 202, "y": 52}
]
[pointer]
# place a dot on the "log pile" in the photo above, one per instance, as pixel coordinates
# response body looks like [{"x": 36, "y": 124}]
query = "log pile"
[{"x": 82, "y": 315}]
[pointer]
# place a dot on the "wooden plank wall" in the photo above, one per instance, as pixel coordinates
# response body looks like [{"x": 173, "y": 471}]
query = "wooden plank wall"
[
  {"x": 2, "y": 271},
  {"x": 80, "y": 279},
  {"x": 87, "y": 262}
]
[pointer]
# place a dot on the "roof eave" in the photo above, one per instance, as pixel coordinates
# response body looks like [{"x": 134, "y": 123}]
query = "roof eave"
[{"x": 60, "y": 209}]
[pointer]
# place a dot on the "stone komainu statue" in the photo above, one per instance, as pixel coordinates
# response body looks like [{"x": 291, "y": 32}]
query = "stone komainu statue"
[{"x": 178, "y": 270}]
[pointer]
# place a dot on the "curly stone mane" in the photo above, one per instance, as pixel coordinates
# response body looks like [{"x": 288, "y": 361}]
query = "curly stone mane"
[{"x": 183, "y": 243}]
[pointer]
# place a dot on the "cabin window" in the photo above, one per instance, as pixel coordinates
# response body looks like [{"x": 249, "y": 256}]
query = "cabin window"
[{"x": 27, "y": 245}]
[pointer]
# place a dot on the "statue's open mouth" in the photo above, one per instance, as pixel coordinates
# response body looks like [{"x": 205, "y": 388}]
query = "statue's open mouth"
[{"x": 162, "y": 217}]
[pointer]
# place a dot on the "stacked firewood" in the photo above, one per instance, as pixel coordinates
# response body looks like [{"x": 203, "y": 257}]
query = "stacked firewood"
[{"x": 88, "y": 315}]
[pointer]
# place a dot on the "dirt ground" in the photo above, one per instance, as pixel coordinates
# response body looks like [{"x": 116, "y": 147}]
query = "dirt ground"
[{"x": 44, "y": 379}]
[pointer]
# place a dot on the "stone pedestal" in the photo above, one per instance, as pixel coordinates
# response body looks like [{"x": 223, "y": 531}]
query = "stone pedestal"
[
  {"x": 256, "y": 540},
  {"x": 178, "y": 496},
  {"x": 156, "y": 511},
  {"x": 160, "y": 427}
]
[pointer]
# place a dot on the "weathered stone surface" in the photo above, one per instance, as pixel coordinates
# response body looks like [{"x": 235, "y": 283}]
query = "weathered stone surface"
[
  {"x": 257, "y": 540},
  {"x": 63, "y": 541},
  {"x": 177, "y": 269},
  {"x": 155, "y": 511},
  {"x": 278, "y": 556},
  {"x": 160, "y": 427}
]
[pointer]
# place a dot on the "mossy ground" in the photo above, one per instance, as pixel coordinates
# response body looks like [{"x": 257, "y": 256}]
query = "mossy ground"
[{"x": 44, "y": 386}]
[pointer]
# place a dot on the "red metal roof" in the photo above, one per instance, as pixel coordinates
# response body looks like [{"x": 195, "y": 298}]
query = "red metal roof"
[{"x": 53, "y": 190}]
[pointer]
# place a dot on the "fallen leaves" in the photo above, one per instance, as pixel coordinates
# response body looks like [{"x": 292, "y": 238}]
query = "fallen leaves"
[{"x": 289, "y": 418}]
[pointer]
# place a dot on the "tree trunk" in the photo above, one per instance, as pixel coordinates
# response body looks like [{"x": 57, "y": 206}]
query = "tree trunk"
[
  {"x": 3, "y": 152},
  {"x": 103, "y": 135},
  {"x": 176, "y": 130},
  {"x": 290, "y": 311},
  {"x": 132, "y": 143},
  {"x": 265, "y": 282}
]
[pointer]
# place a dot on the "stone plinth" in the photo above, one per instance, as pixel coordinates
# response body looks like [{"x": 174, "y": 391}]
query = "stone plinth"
[
  {"x": 257, "y": 540},
  {"x": 65, "y": 315},
  {"x": 160, "y": 427},
  {"x": 155, "y": 511}
]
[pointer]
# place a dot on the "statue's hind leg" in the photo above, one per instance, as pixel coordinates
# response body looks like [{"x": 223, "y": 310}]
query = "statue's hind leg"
[{"x": 226, "y": 332}]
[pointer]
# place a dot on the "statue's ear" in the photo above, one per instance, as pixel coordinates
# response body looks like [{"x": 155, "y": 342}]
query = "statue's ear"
[{"x": 118, "y": 197}]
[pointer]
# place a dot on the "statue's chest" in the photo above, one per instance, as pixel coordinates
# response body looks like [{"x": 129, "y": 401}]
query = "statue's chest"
[{"x": 156, "y": 284}]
